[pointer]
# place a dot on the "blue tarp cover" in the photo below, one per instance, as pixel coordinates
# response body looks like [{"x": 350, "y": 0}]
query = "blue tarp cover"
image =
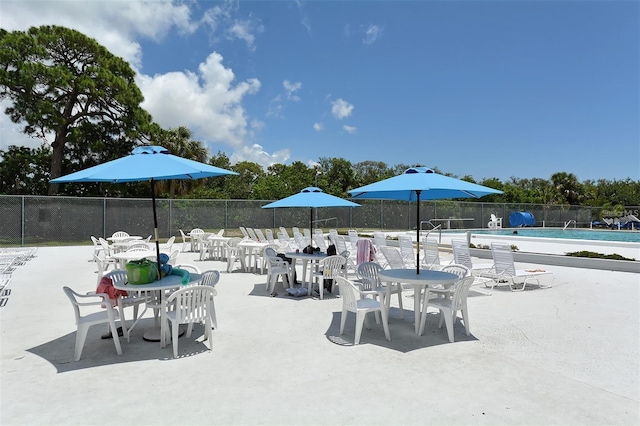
[{"x": 518, "y": 219}]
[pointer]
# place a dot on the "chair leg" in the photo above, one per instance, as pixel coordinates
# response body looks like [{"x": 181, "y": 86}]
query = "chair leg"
[
  {"x": 448, "y": 318},
  {"x": 123, "y": 321},
  {"x": 465, "y": 318},
  {"x": 214, "y": 320},
  {"x": 343, "y": 320},
  {"x": 360, "y": 317},
  {"x": 385, "y": 323},
  {"x": 174, "y": 337},
  {"x": 81, "y": 335},
  {"x": 116, "y": 339}
]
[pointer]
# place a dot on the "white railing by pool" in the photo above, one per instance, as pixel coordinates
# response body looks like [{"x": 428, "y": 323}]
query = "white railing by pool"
[{"x": 566, "y": 224}]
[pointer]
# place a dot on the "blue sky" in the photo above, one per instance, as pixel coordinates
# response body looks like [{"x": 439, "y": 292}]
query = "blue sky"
[{"x": 483, "y": 88}]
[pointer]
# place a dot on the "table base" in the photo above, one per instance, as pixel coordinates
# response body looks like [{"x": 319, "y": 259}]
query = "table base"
[{"x": 153, "y": 334}]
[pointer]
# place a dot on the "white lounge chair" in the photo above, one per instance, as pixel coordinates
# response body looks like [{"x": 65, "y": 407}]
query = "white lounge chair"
[{"x": 504, "y": 270}]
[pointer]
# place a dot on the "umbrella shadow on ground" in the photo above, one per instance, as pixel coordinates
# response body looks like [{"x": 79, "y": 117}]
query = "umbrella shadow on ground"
[
  {"x": 403, "y": 336},
  {"x": 98, "y": 352}
]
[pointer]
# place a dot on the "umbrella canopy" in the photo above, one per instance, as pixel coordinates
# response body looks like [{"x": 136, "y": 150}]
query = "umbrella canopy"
[
  {"x": 311, "y": 197},
  {"x": 421, "y": 183},
  {"x": 146, "y": 163}
]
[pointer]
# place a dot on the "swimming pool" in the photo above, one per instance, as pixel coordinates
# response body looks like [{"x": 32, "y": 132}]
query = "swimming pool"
[{"x": 573, "y": 234}]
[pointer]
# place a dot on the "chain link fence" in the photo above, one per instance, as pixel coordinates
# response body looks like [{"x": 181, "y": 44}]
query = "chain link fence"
[{"x": 39, "y": 220}]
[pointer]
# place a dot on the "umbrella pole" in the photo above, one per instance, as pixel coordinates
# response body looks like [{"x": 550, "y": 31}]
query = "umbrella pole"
[
  {"x": 155, "y": 225},
  {"x": 418, "y": 232},
  {"x": 311, "y": 225}
]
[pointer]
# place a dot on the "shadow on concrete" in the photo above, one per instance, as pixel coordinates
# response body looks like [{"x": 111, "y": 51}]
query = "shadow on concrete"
[
  {"x": 403, "y": 336},
  {"x": 99, "y": 352}
]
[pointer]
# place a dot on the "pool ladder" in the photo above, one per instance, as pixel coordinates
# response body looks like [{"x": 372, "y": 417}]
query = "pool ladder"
[{"x": 566, "y": 224}]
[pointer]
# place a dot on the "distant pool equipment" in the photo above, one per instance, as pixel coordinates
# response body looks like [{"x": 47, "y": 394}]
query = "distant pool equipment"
[{"x": 520, "y": 219}]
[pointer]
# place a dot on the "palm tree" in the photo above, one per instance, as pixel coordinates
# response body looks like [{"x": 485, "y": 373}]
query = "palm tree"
[{"x": 178, "y": 142}]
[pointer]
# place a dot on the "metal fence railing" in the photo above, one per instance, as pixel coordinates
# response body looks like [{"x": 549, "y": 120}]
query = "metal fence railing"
[{"x": 30, "y": 220}]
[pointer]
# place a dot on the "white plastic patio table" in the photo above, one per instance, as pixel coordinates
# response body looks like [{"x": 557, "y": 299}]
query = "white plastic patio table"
[
  {"x": 249, "y": 248},
  {"x": 218, "y": 241},
  {"x": 426, "y": 277},
  {"x": 306, "y": 258},
  {"x": 158, "y": 334}
]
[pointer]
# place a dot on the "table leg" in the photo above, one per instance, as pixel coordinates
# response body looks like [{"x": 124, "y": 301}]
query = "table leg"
[{"x": 416, "y": 306}]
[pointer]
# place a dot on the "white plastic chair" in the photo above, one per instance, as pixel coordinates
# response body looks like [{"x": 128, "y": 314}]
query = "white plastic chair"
[
  {"x": 319, "y": 240},
  {"x": 195, "y": 234},
  {"x": 368, "y": 273},
  {"x": 119, "y": 234},
  {"x": 245, "y": 234},
  {"x": 504, "y": 269},
  {"x": 269, "y": 236},
  {"x": 330, "y": 268},
  {"x": 260, "y": 235},
  {"x": 261, "y": 261},
  {"x": 173, "y": 257},
  {"x": 84, "y": 322},
  {"x": 307, "y": 236},
  {"x": 138, "y": 247},
  {"x": 353, "y": 239},
  {"x": 169, "y": 244},
  {"x": 134, "y": 300},
  {"x": 252, "y": 234},
  {"x": 285, "y": 233},
  {"x": 210, "y": 278},
  {"x": 431, "y": 254},
  {"x": 276, "y": 268},
  {"x": 300, "y": 240},
  {"x": 406, "y": 251},
  {"x": 103, "y": 265},
  {"x": 187, "y": 306},
  {"x": 185, "y": 240},
  {"x": 233, "y": 253},
  {"x": 393, "y": 257},
  {"x": 97, "y": 248},
  {"x": 449, "y": 306},
  {"x": 462, "y": 256},
  {"x": 352, "y": 301}
]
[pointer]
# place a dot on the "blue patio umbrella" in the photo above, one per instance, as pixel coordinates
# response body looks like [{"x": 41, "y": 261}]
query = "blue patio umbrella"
[
  {"x": 146, "y": 163},
  {"x": 418, "y": 183},
  {"x": 311, "y": 197}
]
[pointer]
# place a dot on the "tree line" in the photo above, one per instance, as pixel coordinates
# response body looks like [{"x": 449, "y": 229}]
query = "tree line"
[{"x": 66, "y": 88}]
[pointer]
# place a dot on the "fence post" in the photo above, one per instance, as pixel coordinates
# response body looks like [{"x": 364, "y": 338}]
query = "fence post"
[
  {"x": 22, "y": 220},
  {"x": 104, "y": 216}
]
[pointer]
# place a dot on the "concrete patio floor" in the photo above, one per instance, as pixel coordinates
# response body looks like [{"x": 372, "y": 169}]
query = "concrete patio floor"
[{"x": 564, "y": 355}]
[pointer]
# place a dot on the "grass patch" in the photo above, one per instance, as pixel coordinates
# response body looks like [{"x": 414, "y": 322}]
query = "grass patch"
[{"x": 594, "y": 255}]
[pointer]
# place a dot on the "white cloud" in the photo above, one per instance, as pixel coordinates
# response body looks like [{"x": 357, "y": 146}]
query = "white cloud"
[
  {"x": 208, "y": 102},
  {"x": 317, "y": 126},
  {"x": 372, "y": 33},
  {"x": 114, "y": 24},
  {"x": 341, "y": 108},
  {"x": 257, "y": 154},
  {"x": 349, "y": 129},
  {"x": 291, "y": 88},
  {"x": 221, "y": 19}
]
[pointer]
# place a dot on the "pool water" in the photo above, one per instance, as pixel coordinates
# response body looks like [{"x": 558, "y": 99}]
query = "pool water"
[{"x": 575, "y": 234}]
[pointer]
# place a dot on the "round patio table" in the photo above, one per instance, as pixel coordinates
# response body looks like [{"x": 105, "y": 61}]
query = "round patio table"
[
  {"x": 306, "y": 258},
  {"x": 426, "y": 277},
  {"x": 169, "y": 282}
]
